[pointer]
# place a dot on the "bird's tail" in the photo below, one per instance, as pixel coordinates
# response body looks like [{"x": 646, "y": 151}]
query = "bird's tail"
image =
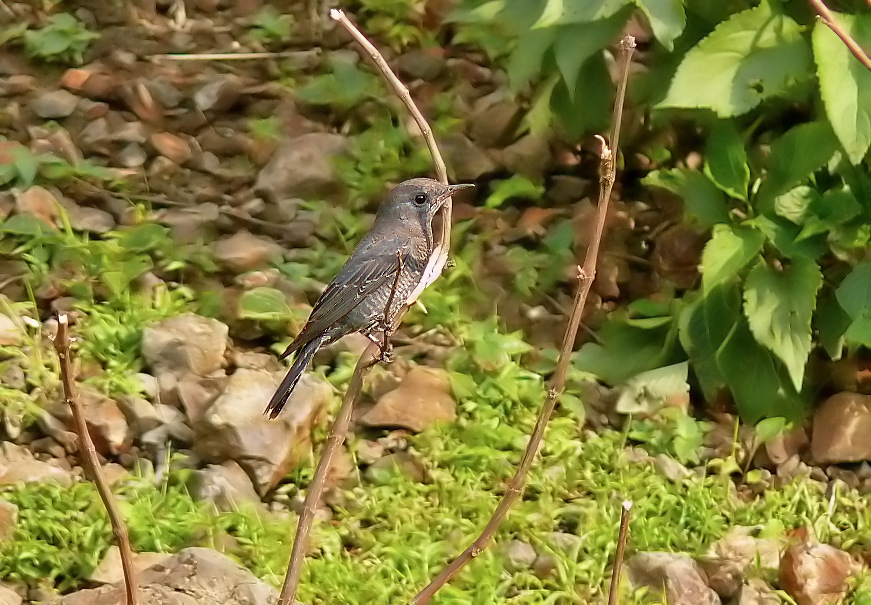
[{"x": 282, "y": 394}]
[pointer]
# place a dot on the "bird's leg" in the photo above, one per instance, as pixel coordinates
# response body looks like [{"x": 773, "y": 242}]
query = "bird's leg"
[{"x": 387, "y": 325}]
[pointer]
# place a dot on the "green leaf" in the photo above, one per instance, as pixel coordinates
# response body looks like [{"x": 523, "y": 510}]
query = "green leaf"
[
  {"x": 794, "y": 204},
  {"x": 729, "y": 250},
  {"x": 769, "y": 428},
  {"x": 591, "y": 107},
  {"x": 526, "y": 60},
  {"x": 859, "y": 332},
  {"x": 264, "y": 304},
  {"x": 845, "y": 84},
  {"x": 25, "y": 224},
  {"x": 562, "y": 12},
  {"x": 755, "y": 55},
  {"x": 753, "y": 378},
  {"x": 518, "y": 186},
  {"x": 779, "y": 306},
  {"x": 854, "y": 293},
  {"x": 795, "y": 156},
  {"x": 704, "y": 326},
  {"x": 667, "y": 19},
  {"x": 831, "y": 322},
  {"x": 574, "y": 44},
  {"x": 26, "y": 164},
  {"x": 143, "y": 237},
  {"x": 649, "y": 391},
  {"x": 784, "y": 235},
  {"x": 726, "y": 160},
  {"x": 702, "y": 200}
]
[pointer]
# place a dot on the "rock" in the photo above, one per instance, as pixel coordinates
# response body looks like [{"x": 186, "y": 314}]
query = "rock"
[
  {"x": 235, "y": 428},
  {"x": 225, "y": 485},
  {"x": 682, "y": 581},
  {"x": 757, "y": 592},
  {"x": 172, "y": 147},
  {"x": 219, "y": 95},
  {"x": 17, "y": 465},
  {"x": 567, "y": 189},
  {"x": 141, "y": 415},
  {"x": 193, "y": 576},
  {"x": 185, "y": 343},
  {"x": 422, "y": 400},
  {"x": 197, "y": 394},
  {"x": 734, "y": 557},
  {"x": 55, "y": 104},
  {"x": 368, "y": 451},
  {"x": 564, "y": 542},
  {"x": 10, "y": 333},
  {"x": 107, "y": 425},
  {"x": 422, "y": 63},
  {"x": 465, "y": 160},
  {"x": 243, "y": 251},
  {"x": 520, "y": 555},
  {"x": 493, "y": 120},
  {"x": 677, "y": 254},
  {"x": 8, "y": 521},
  {"x": 39, "y": 202},
  {"x": 529, "y": 156},
  {"x": 9, "y": 596},
  {"x": 95, "y": 137},
  {"x": 166, "y": 94},
  {"x": 815, "y": 574},
  {"x": 380, "y": 471},
  {"x": 841, "y": 428},
  {"x": 109, "y": 571},
  {"x": 88, "y": 219},
  {"x": 132, "y": 155},
  {"x": 303, "y": 167}
]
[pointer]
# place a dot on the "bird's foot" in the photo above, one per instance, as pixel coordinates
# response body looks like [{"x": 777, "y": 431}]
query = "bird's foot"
[{"x": 387, "y": 355}]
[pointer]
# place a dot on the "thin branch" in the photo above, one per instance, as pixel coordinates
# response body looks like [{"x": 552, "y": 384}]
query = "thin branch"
[
  {"x": 826, "y": 16},
  {"x": 621, "y": 548},
  {"x": 557, "y": 382},
  {"x": 88, "y": 454},
  {"x": 371, "y": 356},
  {"x": 222, "y": 56}
]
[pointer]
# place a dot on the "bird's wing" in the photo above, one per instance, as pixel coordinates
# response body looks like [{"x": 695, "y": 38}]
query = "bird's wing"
[{"x": 351, "y": 286}]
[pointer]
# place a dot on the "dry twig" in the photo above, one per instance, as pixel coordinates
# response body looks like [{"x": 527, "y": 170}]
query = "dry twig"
[
  {"x": 586, "y": 275},
  {"x": 372, "y": 354},
  {"x": 618, "y": 556},
  {"x": 88, "y": 454},
  {"x": 826, "y": 16}
]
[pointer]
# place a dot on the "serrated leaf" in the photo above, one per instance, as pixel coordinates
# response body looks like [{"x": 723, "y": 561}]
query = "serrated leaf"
[
  {"x": 784, "y": 235},
  {"x": 702, "y": 200},
  {"x": 778, "y": 306},
  {"x": 854, "y": 293},
  {"x": 590, "y": 109},
  {"x": 753, "y": 378},
  {"x": 704, "y": 326},
  {"x": 726, "y": 160},
  {"x": 729, "y": 250},
  {"x": 264, "y": 304},
  {"x": 562, "y": 12},
  {"x": 794, "y": 204},
  {"x": 859, "y": 332},
  {"x": 831, "y": 322},
  {"x": 649, "y": 391},
  {"x": 667, "y": 19},
  {"x": 845, "y": 84},
  {"x": 756, "y": 54},
  {"x": 526, "y": 60},
  {"x": 518, "y": 186},
  {"x": 795, "y": 156},
  {"x": 574, "y": 44}
]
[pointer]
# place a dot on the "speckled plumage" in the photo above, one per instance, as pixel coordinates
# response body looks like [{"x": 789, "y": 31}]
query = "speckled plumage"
[{"x": 355, "y": 301}]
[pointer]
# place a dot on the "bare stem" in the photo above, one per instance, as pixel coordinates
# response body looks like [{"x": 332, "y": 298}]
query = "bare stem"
[
  {"x": 89, "y": 460},
  {"x": 222, "y": 56},
  {"x": 826, "y": 16},
  {"x": 586, "y": 275},
  {"x": 621, "y": 549}
]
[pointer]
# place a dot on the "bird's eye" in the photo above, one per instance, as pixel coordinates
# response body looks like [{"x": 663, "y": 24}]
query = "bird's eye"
[{"x": 420, "y": 199}]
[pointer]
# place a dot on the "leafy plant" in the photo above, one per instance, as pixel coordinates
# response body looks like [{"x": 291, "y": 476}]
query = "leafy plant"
[
  {"x": 23, "y": 167},
  {"x": 63, "y": 39},
  {"x": 396, "y": 22},
  {"x": 268, "y": 25}
]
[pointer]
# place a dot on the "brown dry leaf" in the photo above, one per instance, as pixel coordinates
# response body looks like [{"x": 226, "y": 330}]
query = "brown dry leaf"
[{"x": 172, "y": 147}]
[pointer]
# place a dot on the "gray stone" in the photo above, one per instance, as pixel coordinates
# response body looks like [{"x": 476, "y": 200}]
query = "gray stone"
[
  {"x": 520, "y": 555},
  {"x": 225, "y": 485},
  {"x": 303, "y": 167},
  {"x": 422, "y": 400},
  {"x": 529, "y": 156},
  {"x": 193, "y": 576},
  {"x": 17, "y": 465},
  {"x": 218, "y": 95},
  {"x": 8, "y": 596},
  {"x": 132, "y": 155},
  {"x": 677, "y": 575},
  {"x": 465, "y": 160},
  {"x": 110, "y": 571},
  {"x": 185, "y": 343},
  {"x": 235, "y": 428},
  {"x": 55, "y": 104},
  {"x": 243, "y": 251},
  {"x": 735, "y": 557},
  {"x": 842, "y": 425}
]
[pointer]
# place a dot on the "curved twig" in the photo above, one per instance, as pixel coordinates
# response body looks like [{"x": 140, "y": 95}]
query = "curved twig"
[
  {"x": 826, "y": 16},
  {"x": 586, "y": 274}
]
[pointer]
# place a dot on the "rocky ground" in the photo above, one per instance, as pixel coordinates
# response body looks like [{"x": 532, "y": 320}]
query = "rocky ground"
[{"x": 186, "y": 213}]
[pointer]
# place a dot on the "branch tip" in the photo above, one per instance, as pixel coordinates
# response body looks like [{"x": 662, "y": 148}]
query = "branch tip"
[{"x": 336, "y": 14}]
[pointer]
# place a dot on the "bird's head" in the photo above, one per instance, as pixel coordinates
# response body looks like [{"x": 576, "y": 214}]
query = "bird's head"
[{"x": 417, "y": 200}]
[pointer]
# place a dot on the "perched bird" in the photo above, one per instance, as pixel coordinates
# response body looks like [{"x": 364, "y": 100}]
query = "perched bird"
[{"x": 384, "y": 273}]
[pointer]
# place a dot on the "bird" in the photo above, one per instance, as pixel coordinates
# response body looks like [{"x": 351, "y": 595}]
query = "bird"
[{"x": 387, "y": 270}]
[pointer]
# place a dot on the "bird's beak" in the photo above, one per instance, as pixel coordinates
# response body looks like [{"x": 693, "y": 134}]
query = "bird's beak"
[{"x": 451, "y": 190}]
